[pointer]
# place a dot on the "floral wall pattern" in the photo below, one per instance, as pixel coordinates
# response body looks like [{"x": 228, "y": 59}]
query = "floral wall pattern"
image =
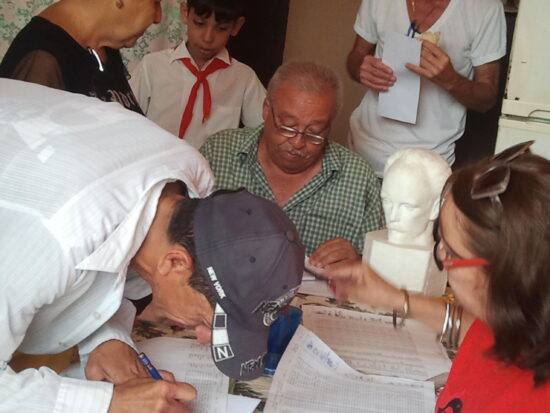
[{"x": 14, "y": 14}]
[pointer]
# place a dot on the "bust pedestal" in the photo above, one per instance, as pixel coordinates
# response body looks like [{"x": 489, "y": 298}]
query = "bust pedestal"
[{"x": 406, "y": 266}]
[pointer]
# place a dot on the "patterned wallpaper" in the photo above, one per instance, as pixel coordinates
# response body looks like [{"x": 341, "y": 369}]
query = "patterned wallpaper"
[{"x": 14, "y": 14}]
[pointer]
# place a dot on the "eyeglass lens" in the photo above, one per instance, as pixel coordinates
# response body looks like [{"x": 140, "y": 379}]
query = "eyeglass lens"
[
  {"x": 450, "y": 258},
  {"x": 492, "y": 182},
  {"x": 513, "y": 152},
  {"x": 290, "y": 133}
]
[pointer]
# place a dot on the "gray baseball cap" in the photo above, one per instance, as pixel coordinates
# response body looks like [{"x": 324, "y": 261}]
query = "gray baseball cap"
[{"x": 253, "y": 259}]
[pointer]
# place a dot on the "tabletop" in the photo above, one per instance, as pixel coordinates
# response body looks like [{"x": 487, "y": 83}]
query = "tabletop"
[{"x": 258, "y": 388}]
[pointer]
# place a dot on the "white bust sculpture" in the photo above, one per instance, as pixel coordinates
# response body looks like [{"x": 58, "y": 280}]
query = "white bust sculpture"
[
  {"x": 413, "y": 180},
  {"x": 403, "y": 253}
]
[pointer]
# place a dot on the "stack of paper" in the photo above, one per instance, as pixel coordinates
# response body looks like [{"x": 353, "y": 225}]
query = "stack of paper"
[
  {"x": 368, "y": 342},
  {"x": 311, "y": 378}
]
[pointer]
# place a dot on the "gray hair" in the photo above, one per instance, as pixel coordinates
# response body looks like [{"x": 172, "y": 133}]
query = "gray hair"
[
  {"x": 433, "y": 166},
  {"x": 308, "y": 77}
]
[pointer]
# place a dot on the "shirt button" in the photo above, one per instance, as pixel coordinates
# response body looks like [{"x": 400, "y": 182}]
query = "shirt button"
[
  {"x": 97, "y": 315},
  {"x": 62, "y": 344}
]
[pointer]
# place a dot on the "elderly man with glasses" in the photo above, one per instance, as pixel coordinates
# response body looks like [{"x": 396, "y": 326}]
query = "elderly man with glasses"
[{"x": 330, "y": 194}]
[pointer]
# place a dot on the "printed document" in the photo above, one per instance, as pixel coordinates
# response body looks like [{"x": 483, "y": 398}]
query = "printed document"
[
  {"x": 311, "y": 378},
  {"x": 192, "y": 363},
  {"x": 368, "y": 342}
]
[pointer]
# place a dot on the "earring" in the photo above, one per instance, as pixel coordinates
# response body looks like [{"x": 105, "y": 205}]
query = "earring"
[{"x": 118, "y": 4}]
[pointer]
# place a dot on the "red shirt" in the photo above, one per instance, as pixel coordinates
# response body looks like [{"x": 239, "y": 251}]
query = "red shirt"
[{"x": 480, "y": 384}]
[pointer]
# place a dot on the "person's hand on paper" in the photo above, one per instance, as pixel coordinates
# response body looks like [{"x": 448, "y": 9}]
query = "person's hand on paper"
[
  {"x": 375, "y": 74},
  {"x": 435, "y": 65},
  {"x": 151, "y": 396},
  {"x": 357, "y": 281},
  {"x": 116, "y": 362},
  {"x": 333, "y": 251}
]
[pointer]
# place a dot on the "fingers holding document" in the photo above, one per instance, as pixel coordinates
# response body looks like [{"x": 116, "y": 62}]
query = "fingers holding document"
[
  {"x": 152, "y": 396},
  {"x": 357, "y": 281},
  {"x": 375, "y": 74}
]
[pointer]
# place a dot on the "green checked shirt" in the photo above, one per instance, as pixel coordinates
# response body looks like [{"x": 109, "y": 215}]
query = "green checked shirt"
[{"x": 342, "y": 200}]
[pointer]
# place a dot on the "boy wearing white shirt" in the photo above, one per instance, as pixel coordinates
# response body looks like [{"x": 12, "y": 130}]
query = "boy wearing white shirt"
[{"x": 197, "y": 89}]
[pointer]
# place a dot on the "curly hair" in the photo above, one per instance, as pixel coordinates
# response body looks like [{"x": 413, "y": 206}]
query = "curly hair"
[{"x": 515, "y": 241}]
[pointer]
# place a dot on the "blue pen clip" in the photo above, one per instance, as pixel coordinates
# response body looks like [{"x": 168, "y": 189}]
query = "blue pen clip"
[
  {"x": 143, "y": 359},
  {"x": 412, "y": 29}
]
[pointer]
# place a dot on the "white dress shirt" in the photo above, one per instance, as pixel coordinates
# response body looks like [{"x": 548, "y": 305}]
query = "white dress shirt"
[
  {"x": 79, "y": 186},
  {"x": 162, "y": 84}
]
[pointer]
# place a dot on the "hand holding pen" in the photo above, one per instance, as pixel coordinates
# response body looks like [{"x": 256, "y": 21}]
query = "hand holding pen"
[
  {"x": 143, "y": 395},
  {"x": 143, "y": 359}
]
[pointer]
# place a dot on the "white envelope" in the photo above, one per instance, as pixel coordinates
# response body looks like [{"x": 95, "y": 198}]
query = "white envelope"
[{"x": 400, "y": 102}]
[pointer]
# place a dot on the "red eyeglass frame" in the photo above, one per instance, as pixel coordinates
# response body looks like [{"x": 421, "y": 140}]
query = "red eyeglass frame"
[
  {"x": 451, "y": 263},
  {"x": 464, "y": 262}
]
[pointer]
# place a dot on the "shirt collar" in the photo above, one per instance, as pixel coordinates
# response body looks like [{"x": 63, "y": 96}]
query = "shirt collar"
[
  {"x": 181, "y": 52},
  {"x": 119, "y": 248},
  {"x": 249, "y": 146},
  {"x": 331, "y": 161}
]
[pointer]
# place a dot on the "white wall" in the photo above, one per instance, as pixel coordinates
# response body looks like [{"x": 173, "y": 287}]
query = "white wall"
[{"x": 322, "y": 31}]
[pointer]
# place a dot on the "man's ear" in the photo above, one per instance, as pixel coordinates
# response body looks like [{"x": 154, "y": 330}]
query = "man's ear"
[
  {"x": 184, "y": 12},
  {"x": 237, "y": 25},
  {"x": 265, "y": 109},
  {"x": 175, "y": 260}
]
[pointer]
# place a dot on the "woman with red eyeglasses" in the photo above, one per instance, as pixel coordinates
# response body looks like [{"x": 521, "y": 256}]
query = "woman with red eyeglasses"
[{"x": 493, "y": 238}]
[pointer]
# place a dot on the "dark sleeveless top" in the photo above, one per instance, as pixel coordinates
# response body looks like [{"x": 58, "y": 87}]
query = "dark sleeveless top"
[{"x": 78, "y": 68}]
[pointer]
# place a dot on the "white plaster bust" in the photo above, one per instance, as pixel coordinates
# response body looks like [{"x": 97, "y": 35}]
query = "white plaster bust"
[
  {"x": 403, "y": 253},
  {"x": 413, "y": 180}
]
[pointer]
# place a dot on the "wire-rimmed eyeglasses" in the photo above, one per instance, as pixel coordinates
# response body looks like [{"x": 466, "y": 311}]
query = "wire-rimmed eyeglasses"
[{"x": 291, "y": 133}]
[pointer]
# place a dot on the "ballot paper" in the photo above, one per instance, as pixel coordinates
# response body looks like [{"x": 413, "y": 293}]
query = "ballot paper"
[
  {"x": 311, "y": 272},
  {"x": 312, "y": 284},
  {"x": 192, "y": 363},
  {"x": 368, "y": 342},
  {"x": 316, "y": 287},
  {"x": 241, "y": 404},
  {"x": 400, "y": 102},
  {"x": 311, "y": 378}
]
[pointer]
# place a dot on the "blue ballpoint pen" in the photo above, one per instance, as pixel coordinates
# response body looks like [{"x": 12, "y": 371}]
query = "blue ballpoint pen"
[{"x": 149, "y": 366}]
